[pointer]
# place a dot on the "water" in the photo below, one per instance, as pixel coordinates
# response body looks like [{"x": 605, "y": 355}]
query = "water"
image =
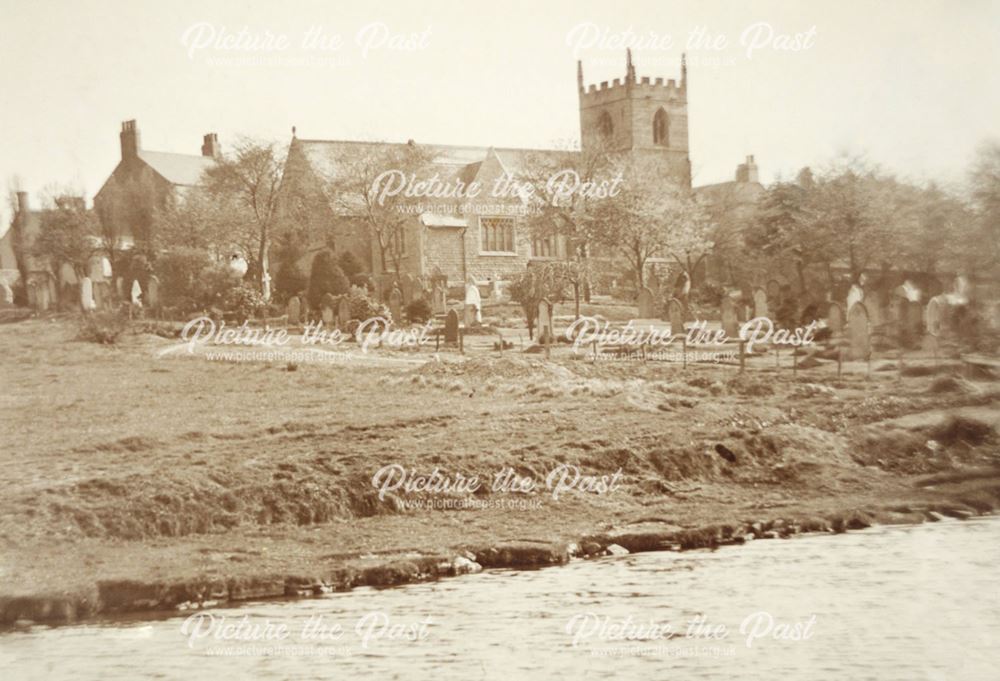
[{"x": 913, "y": 602}]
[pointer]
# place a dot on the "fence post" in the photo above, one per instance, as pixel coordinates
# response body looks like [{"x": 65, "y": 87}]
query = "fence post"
[
  {"x": 840, "y": 362},
  {"x": 684, "y": 352},
  {"x": 742, "y": 358},
  {"x": 461, "y": 340},
  {"x": 795, "y": 363}
]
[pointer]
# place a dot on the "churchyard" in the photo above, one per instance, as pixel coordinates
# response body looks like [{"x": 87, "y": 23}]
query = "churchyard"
[{"x": 158, "y": 460}]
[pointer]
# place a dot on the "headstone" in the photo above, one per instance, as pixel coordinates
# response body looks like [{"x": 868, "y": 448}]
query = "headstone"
[
  {"x": 294, "y": 310},
  {"x": 120, "y": 287},
  {"x": 773, "y": 294},
  {"x": 835, "y": 318},
  {"x": 326, "y": 305},
  {"x": 496, "y": 290},
  {"x": 343, "y": 314},
  {"x": 419, "y": 292},
  {"x": 439, "y": 299},
  {"x": 86, "y": 294},
  {"x": 396, "y": 306},
  {"x": 406, "y": 289},
  {"x": 451, "y": 327},
  {"x": 934, "y": 316},
  {"x": 99, "y": 299},
  {"x": 136, "y": 293},
  {"x": 153, "y": 291},
  {"x": 472, "y": 298},
  {"x": 730, "y": 319},
  {"x": 543, "y": 322},
  {"x": 760, "y": 308},
  {"x": 647, "y": 303},
  {"x": 855, "y": 295},
  {"x": 6, "y": 293},
  {"x": 675, "y": 313},
  {"x": 859, "y": 331}
]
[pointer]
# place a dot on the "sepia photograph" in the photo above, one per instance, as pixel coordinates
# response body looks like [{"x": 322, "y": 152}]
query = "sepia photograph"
[{"x": 656, "y": 339}]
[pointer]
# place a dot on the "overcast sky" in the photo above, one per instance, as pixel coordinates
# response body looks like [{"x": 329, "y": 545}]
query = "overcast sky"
[{"x": 913, "y": 85}]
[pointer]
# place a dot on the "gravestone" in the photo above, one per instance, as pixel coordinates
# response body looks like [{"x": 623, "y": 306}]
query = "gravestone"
[
  {"x": 859, "y": 331},
  {"x": 343, "y": 314},
  {"x": 647, "y": 303},
  {"x": 100, "y": 302},
  {"x": 835, "y": 318},
  {"x": 396, "y": 306},
  {"x": 153, "y": 291},
  {"x": 406, "y": 288},
  {"x": 326, "y": 305},
  {"x": 543, "y": 322},
  {"x": 136, "y": 293},
  {"x": 120, "y": 288},
  {"x": 760, "y": 302},
  {"x": 496, "y": 291},
  {"x": 294, "y": 310},
  {"x": 934, "y": 316},
  {"x": 86, "y": 295},
  {"x": 418, "y": 289},
  {"x": 439, "y": 299},
  {"x": 855, "y": 295},
  {"x": 730, "y": 318},
  {"x": 773, "y": 294},
  {"x": 475, "y": 301},
  {"x": 451, "y": 327},
  {"x": 675, "y": 313},
  {"x": 6, "y": 293}
]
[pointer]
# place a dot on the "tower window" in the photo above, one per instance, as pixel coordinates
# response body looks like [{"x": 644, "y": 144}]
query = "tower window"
[
  {"x": 604, "y": 125},
  {"x": 660, "y": 134}
]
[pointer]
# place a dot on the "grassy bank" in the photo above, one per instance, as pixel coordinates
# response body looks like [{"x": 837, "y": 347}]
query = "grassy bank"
[{"x": 134, "y": 482}]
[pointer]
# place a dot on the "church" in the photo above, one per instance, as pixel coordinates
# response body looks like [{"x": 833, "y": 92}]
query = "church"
[{"x": 488, "y": 240}]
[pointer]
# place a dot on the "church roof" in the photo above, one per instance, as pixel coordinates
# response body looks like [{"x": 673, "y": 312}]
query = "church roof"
[{"x": 177, "y": 169}]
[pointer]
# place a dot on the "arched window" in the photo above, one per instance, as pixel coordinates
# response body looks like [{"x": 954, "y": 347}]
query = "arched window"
[
  {"x": 604, "y": 125},
  {"x": 660, "y": 135}
]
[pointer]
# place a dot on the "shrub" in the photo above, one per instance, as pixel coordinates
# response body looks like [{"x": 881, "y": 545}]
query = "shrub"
[
  {"x": 244, "y": 302},
  {"x": 418, "y": 311},
  {"x": 290, "y": 280},
  {"x": 350, "y": 265},
  {"x": 364, "y": 307},
  {"x": 190, "y": 280},
  {"x": 325, "y": 277},
  {"x": 104, "y": 327}
]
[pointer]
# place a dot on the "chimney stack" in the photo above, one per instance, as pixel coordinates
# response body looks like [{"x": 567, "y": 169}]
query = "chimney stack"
[
  {"x": 747, "y": 172},
  {"x": 210, "y": 145},
  {"x": 129, "y": 137}
]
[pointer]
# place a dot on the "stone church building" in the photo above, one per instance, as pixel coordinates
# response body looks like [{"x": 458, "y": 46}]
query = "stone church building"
[{"x": 488, "y": 239}]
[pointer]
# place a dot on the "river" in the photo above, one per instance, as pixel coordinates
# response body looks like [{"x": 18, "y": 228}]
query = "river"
[{"x": 902, "y": 602}]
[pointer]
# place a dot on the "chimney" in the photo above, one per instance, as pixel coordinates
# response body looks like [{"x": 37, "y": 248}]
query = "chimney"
[
  {"x": 747, "y": 172},
  {"x": 129, "y": 137},
  {"x": 210, "y": 145},
  {"x": 22, "y": 202}
]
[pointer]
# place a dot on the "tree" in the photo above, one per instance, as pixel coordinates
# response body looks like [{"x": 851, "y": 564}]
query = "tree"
[
  {"x": 325, "y": 277},
  {"x": 67, "y": 235},
  {"x": 364, "y": 188},
  {"x": 985, "y": 191},
  {"x": 19, "y": 240},
  {"x": 537, "y": 283},
  {"x": 568, "y": 199},
  {"x": 245, "y": 184}
]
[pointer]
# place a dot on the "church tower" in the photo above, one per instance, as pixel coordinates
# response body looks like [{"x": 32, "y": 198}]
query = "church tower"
[{"x": 645, "y": 117}]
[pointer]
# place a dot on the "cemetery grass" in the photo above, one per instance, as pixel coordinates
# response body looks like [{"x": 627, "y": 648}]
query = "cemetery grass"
[{"x": 119, "y": 467}]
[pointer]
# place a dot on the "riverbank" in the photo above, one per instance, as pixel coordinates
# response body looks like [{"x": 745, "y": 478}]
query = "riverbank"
[{"x": 136, "y": 483}]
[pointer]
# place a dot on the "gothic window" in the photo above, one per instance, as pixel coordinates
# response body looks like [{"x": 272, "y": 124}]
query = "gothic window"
[
  {"x": 604, "y": 125},
  {"x": 496, "y": 235},
  {"x": 660, "y": 136},
  {"x": 544, "y": 247}
]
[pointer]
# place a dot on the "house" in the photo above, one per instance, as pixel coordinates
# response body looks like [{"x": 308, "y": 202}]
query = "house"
[{"x": 144, "y": 180}]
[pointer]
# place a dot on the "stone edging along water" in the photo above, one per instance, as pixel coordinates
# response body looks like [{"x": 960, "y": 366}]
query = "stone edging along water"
[{"x": 129, "y": 596}]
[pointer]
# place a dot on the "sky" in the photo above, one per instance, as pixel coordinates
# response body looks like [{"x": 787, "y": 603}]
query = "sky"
[{"x": 911, "y": 86}]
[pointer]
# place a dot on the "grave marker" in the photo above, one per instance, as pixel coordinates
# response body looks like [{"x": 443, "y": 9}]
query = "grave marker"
[
  {"x": 835, "y": 318},
  {"x": 294, "y": 310},
  {"x": 859, "y": 331},
  {"x": 396, "y": 306},
  {"x": 759, "y": 302},
  {"x": 647, "y": 303},
  {"x": 451, "y": 327},
  {"x": 544, "y": 321},
  {"x": 343, "y": 314},
  {"x": 730, "y": 318},
  {"x": 675, "y": 313}
]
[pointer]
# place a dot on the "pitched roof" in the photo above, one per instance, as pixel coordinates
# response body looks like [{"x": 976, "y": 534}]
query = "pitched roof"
[{"x": 178, "y": 169}]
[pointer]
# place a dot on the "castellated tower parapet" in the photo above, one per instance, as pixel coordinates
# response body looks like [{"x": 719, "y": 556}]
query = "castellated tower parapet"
[{"x": 646, "y": 116}]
